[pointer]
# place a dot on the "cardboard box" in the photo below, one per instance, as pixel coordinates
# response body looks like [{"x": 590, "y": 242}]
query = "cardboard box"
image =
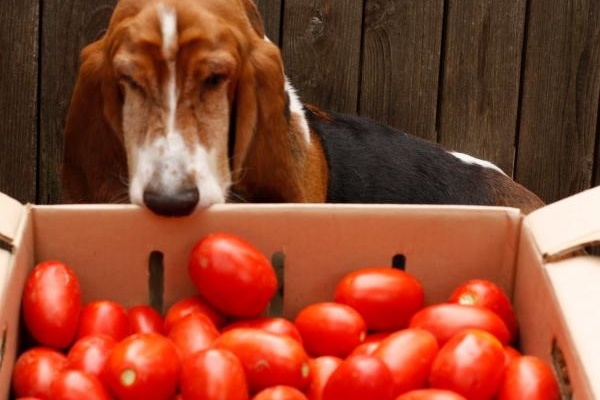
[{"x": 132, "y": 256}]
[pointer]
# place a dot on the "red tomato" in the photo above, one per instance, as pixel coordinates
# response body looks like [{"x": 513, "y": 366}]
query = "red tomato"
[
  {"x": 386, "y": 298},
  {"x": 193, "y": 333},
  {"x": 277, "y": 326},
  {"x": 510, "y": 353},
  {"x": 35, "y": 370},
  {"x": 471, "y": 363},
  {"x": 445, "y": 320},
  {"x": 89, "y": 354},
  {"x": 321, "y": 369},
  {"x": 484, "y": 293},
  {"x": 529, "y": 377},
  {"x": 104, "y": 317},
  {"x": 280, "y": 393},
  {"x": 232, "y": 275},
  {"x": 145, "y": 319},
  {"x": 268, "y": 359},
  {"x": 143, "y": 366},
  {"x": 330, "y": 329},
  {"x": 191, "y": 305},
  {"x": 51, "y": 304},
  {"x": 76, "y": 385},
  {"x": 430, "y": 394},
  {"x": 408, "y": 354},
  {"x": 358, "y": 378},
  {"x": 213, "y": 374}
]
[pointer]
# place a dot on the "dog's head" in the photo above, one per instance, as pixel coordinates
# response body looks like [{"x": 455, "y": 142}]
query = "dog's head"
[{"x": 193, "y": 91}]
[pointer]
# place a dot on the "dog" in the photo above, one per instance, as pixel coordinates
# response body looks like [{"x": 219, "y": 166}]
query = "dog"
[{"x": 184, "y": 103}]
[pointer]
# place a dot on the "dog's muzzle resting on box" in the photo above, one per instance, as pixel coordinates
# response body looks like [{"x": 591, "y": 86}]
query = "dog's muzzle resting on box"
[{"x": 184, "y": 103}]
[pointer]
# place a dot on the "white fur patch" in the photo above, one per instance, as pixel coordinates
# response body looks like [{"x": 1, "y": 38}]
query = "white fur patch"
[
  {"x": 473, "y": 160},
  {"x": 168, "y": 26}
]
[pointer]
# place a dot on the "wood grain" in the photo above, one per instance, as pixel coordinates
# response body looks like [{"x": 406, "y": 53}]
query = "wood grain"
[
  {"x": 18, "y": 98},
  {"x": 270, "y": 11},
  {"x": 401, "y": 62}
]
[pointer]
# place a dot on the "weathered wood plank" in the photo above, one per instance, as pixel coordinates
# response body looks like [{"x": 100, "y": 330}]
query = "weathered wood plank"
[
  {"x": 18, "y": 98},
  {"x": 270, "y": 11},
  {"x": 560, "y": 97},
  {"x": 68, "y": 25},
  {"x": 482, "y": 69},
  {"x": 401, "y": 62},
  {"x": 321, "y": 46}
]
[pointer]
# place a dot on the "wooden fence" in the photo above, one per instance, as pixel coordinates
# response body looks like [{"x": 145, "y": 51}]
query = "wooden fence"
[{"x": 513, "y": 81}]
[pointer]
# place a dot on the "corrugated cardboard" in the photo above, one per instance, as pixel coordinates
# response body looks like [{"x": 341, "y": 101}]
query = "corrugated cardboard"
[{"x": 110, "y": 248}]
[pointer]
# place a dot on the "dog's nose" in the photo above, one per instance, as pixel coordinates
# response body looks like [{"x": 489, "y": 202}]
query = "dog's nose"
[{"x": 177, "y": 204}]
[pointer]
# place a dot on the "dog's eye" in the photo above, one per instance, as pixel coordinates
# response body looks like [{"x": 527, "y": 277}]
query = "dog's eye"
[
  {"x": 128, "y": 82},
  {"x": 213, "y": 81}
]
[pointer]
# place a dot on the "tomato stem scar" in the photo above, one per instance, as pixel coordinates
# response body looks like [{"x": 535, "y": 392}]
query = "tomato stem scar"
[{"x": 128, "y": 377}]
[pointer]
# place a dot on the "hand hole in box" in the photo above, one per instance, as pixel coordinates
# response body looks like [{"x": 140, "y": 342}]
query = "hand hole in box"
[
  {"x": 276, "y": 305},
  {"x": 156, "y": 280},
  {"x": 3, "y": 338},
  {"x": 562, "y": 372},
  {"x": 399, "y": 262}
]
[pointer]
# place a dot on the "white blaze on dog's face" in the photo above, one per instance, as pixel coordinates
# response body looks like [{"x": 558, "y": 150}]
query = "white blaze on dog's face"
[{"x": 175, "y": 116}]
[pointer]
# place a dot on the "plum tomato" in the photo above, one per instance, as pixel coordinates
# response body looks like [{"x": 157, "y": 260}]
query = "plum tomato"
[
  {"x": 330, "y": 329},
  {"x": 430, "y": 394},
  {"x": 275, "y": 325},
  {"x": 321, "y": 369},
  {"x": 358, "y": 378},
  {"x": 52, "y": 304},
  {"x": 484, "y": 293},
  {"x": 89, "y": 354},
  {"x": 510, "y": 353},
  {"x": 192, "y": 305},
  {"x": 280, "y": 393},
  {"x": 73, "y": 384},
  {"x": 471, "y": 363},
  {"x": 232, "y": 275},
  {"x": 35, "y": 370},
  {"x": 385, "y": 297},
  {"x": 143, "y": 366},
  {"x": 531, "y": 378},
  {"x": 104, "y": 317},
  {"x": 193, "y": 333},
  {"x": 213, "y": 374},
  {"x": 268, "y": 359},
  {"x": 145, "y": 319}
]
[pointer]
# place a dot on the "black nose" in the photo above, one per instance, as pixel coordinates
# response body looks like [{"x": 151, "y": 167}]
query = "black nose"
[{"x": 176, "y": 204}]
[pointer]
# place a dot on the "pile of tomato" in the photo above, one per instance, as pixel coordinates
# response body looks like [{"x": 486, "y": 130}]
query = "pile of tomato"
[{"x": 375, "y": 340}]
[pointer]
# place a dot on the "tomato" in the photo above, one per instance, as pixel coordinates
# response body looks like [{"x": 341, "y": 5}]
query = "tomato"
[
  {"x": 191, "y": 305},
  {"x": 445, "y": 320},
  {"x": 51, "y": 304},
  {"x": 386, "y": 298},
  {"x": 430, "y": 394},
  {"x": 213, "y": 374},
  {"x": 280, "y": 393},
  {"x": 193, "y": 333},
  {"x": 471, "y": 363},
  {"x": 89, "y": 354},
  {"x": 330, "y": 329},
  {"x": 35, "y": 370},
  {"x": 143, "y": 366},
  {"x": 232, "y": 275},
  {"x": 277, "y": 326},
  {"x": 104, "y": 317},
  {"x": 484, "y": 293},
  {"x": 529, "y": 377},
  {"x": 510, "y": 353},
  {"x": 268, "y": 359},
  {"x": 408, "y": 354},
  {"x": 145, "y": 319},
  {"x": 358, "y": 378},
  {"x": 76, "y": 385},
  {"x": 321, "y": 369}
]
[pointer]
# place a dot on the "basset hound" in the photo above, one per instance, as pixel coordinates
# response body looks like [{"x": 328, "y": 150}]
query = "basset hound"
[{"x": 184, "y": 103}]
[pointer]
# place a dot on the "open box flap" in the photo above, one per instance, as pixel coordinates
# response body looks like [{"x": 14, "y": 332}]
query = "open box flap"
[
  {"x": 567, "y": 225},
  {"x": 11, "y": 212}
]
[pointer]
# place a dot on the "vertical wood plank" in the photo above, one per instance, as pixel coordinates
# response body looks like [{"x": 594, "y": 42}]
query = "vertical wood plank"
[
  {"x": 321, "y": 46},
  {"x": 482, "y": 70},
  {"x": 560, "y": 97},
  {"x": 18, "y": 98},
  {"x": 270, "y": 11},
  {"x": 68, "y": 25},
  {"x": 401, "y": 62}
]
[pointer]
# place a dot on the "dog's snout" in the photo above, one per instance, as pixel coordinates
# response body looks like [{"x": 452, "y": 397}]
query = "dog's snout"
[{"x": 178, "y": 204}]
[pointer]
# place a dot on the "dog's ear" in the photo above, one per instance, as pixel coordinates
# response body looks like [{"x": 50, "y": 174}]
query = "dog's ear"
[{"x": 254, "y": 17}]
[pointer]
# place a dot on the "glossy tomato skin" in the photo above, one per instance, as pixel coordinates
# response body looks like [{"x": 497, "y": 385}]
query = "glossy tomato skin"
[
  {"x": 280, "y": 393},
  {"x": 430, "y": 394},
  {"x": 192, "y": 305},
  {"x": 446, "y": 319},
  {"x": 213, "y": 374},
  {"x": 193, "y": 333},
  {"x": 471, "y": 363},
  {"x": 89, "y": 354},
  {"x": 268, "y": 359},
  {"x": 143, "y": 366},
  {"x": 409, "y": 354},
  {"x": 232, "y": 275},
  {"x": 484, "y": 293},
  {"x": 35, "y": 370},
  {"x": 529, "y": 377},
  {"x": 386, "y": 298},
  {"x": 104, "y": 317},
  {"x": 274, "y": 325},
  {"x": 321, "y": 369},
  {"x": 358, "y": 378},
  {"x": 145, "y": 319},
  {"x": 52, "y": 304},
  {"x": 330, "y": 329},
  {"x": 77, "y": 385}
]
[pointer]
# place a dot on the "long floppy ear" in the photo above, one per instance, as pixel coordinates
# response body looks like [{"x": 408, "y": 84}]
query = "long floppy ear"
[{"x": 254, "y": 17}]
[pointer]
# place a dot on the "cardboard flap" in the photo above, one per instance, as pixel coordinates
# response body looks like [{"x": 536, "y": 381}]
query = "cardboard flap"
[
  {"x": 567, "y": 225},
  {"x": 11, "y": 212}
]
